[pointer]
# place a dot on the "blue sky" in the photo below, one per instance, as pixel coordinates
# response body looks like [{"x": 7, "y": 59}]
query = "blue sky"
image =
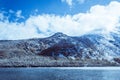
[
  {"x": 57, "y": 7},
  {"x": 41, "y": 18}
]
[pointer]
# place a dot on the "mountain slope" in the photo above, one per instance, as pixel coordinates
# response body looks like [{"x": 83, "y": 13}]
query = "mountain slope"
[{"x": 90, "y": 46}]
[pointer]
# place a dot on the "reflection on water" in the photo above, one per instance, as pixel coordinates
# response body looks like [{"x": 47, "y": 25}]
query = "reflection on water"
[{"x": 57, "y": 74}]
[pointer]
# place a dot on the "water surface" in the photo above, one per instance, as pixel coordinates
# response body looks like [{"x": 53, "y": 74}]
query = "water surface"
[{"x": 59, "y": 74}]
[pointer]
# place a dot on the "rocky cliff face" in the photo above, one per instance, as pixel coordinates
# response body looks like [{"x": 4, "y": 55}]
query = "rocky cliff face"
[{"x": 91, "y": 46}]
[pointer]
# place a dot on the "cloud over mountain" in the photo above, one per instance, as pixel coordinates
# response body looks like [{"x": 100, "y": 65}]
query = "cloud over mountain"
[{"x": 99, "y": 17}]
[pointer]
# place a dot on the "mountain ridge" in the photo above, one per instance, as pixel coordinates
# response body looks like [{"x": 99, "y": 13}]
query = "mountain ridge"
[{"x": 59, "y": 45}]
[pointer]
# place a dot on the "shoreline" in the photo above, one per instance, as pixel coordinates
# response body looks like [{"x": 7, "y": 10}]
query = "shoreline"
[{"x": 67, "y": 68}]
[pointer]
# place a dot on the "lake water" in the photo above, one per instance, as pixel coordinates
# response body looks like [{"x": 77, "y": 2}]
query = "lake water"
[{"x": 60, "y": 73}]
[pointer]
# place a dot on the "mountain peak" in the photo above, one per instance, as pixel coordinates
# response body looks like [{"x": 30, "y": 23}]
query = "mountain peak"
[{"x": 59, "y": 34}]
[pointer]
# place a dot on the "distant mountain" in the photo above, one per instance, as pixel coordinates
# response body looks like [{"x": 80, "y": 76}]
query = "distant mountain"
[{"x": 95, "y": 46}]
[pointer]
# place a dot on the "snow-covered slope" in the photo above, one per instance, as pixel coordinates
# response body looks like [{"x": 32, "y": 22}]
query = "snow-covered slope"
[{"x": 96, "y": 46}]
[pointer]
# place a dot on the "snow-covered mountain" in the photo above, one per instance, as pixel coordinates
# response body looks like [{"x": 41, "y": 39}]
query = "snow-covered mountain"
[{"x": 94, "y": 46}]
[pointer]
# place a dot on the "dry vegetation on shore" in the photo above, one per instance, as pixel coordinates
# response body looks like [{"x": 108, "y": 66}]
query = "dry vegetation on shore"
[{"x": 44, "y": 61}]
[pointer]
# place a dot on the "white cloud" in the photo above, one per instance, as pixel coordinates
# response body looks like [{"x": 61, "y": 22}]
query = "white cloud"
[
  {"x": 70, "y": 2},
  {"x": 11, "y": 11},
  {"x": 18, "y": 14},
  {"x": 1, "y": 16},
  {"x": 99, "y": 17}
]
